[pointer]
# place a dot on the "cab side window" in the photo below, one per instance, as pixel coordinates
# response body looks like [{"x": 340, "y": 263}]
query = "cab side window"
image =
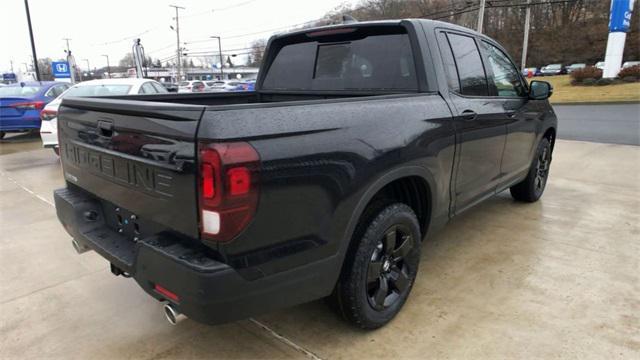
[
  {"x": 506, "y": 80},
  {"x": 449, "y": 63},
  {"x": 473, "y": 79}
]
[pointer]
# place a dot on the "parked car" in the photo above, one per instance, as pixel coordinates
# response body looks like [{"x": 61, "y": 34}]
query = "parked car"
[
  {"x": 534, "y": 70},
  {"x": 249, "y": 85},
  {"x": 553, "y": 69},
  {"x": 600, "y": 65},
  {"x": 171, "y": 87},
  {"x": 225, "y": 85},
  {"x": 628, "y": 64},
  {"x": 21, "y": 104},
  {"x": 191, "y": 86},
  {"x": 323, "y": 183},
  {"x": 574, "y": 67},
  {"x": 103, "y": 87}
]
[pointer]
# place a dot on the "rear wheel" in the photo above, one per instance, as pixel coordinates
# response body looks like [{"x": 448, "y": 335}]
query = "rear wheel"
[
  {"x": 378, "y": 275},
  {"x": 532, "y": 187}
]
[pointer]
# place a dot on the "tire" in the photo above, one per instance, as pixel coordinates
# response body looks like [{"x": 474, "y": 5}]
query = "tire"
[
  {"x": 532, "y": 187},
  {"x": 380, "y": 269}
]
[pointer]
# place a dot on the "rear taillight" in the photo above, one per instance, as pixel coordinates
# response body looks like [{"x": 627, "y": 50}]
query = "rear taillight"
[
  {"x": 46, "y": 115},
  {"x": 32, "y": 105},
  {"x": 228, "y": 189}
]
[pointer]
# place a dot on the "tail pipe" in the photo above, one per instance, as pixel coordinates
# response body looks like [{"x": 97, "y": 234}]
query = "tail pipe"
[
  {"x": 79, "y": 247},
  {"x": 172, "y": 314}
]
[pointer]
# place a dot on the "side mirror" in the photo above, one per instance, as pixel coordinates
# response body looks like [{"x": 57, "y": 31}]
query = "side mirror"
[{"x": 540, "y": 90}]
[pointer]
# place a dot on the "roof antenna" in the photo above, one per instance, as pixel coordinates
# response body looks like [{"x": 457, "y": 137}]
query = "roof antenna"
[{"x": 348, "y": 19}]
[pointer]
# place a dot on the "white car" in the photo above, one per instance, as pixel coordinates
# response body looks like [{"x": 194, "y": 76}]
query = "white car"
[
  {"x": 224, "y": 85},
  {"x": 191, "y": 86},
  {"x": 103, "y": 87},
  {"x": 630, "y": 64}
]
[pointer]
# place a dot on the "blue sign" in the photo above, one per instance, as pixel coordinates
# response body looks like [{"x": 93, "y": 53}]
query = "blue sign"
[
  {"x": 9, "y": 77},
  {"x": 60, "y": 69},
  {"x": 620, "y": 19}
]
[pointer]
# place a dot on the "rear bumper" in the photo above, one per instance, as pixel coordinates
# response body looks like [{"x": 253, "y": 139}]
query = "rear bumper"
[
  {"x": 209, "y": 290},
  {"x": 49, "y": 133},
  {"x": 19, "y": 123}
]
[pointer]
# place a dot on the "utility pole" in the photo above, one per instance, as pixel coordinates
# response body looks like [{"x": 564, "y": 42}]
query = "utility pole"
[
  {"x": 108, "y": 67},
  {"x": 33, "y": 45},
  {"x": 481, "y": 15},
  {"x": 71, "y": 61},
  {"x": 178, "y": 50},
  {"x": 525, "y": 42},
  {"x": 220, "y": 54}
]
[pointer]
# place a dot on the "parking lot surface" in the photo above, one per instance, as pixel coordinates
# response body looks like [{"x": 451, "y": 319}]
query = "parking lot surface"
[{"x": 557, "y": 278}]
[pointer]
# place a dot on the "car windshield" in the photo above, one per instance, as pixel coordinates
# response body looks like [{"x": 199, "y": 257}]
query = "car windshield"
[
  {"x": 553, "y": 66},
  {"x": 19, "y": 90},
  {"x": 98, "y": 90}
]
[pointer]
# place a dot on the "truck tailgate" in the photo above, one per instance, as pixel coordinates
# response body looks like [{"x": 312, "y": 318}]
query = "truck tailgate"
[{"x": 136, "y": 155}]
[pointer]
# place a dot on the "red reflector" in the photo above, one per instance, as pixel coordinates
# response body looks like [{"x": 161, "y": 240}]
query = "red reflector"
[
  {"x": 168, "y": 294},
  {"x": 239, "y": 180},
  {"x": 208, "y": 187}
]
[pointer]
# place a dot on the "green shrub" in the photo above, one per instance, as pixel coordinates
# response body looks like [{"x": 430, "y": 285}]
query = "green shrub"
[
  {"x": 630, "y": 71},
  {"x": 602, "y": 82},
  {"x": 589, "y": 72},
  {"x": 629, "y": 79},
  {"x": 588, "y": 81}
]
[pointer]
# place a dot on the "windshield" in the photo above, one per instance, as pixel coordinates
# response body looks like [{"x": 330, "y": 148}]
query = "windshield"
[
  {"x": 97, "y": 90},
  {"x": 19, "y": 90}
]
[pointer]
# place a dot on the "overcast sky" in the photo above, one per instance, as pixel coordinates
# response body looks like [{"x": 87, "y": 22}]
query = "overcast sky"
[{"x": 99, "y": 27}]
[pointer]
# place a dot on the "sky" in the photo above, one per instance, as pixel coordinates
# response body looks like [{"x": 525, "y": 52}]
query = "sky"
[{"x": 98, "y": 27}]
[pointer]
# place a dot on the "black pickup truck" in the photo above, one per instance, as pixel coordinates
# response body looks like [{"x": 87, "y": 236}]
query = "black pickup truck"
[{"x": 359, "y": 141}]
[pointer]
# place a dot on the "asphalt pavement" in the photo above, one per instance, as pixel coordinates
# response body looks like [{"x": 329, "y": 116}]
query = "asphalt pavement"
[{"x": 613, "y": 124}]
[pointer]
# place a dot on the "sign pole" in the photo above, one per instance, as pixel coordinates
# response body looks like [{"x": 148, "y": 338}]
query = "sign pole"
[{"x": 619, "y": 23}]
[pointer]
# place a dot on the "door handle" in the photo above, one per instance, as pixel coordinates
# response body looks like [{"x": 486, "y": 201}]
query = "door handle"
[
  {"x": 105, "y": 128},
  {"x": 469, "y": 115}
]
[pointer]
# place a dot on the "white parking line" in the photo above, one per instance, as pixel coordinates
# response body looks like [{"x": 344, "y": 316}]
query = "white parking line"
[{"x": 262, "y": 326}]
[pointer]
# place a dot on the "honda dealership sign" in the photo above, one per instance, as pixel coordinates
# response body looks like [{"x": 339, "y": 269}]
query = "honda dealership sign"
[{"x": 619, "y": 23}]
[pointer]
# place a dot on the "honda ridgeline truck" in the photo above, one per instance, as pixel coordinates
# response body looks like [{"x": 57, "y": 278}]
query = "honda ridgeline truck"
[{"x": 359, "y": 141}]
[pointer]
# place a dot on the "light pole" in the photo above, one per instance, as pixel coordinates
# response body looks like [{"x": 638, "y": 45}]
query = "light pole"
[
  {"x": 220, "y": 54},
  {"x": 108, "y": 67},
  {"x": 177, "y": 29},
  {"x": 33, "y": 45}
]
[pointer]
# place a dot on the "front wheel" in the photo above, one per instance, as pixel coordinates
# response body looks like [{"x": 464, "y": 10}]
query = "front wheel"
[
  {"x": 531, "y": 188},
  {"x": 378, "y": 275}
]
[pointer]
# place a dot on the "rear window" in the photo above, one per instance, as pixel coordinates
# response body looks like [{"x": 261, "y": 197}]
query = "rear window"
[
  {"x": 375, "y": 62},
  {"x": 98, "y": 90},
  {"x": 19, "y": 90}
]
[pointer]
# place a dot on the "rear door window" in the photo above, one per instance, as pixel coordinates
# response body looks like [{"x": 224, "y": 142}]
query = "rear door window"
[
  {"x": 473, "y": 80},
  {"x": 375, "y": 62}
]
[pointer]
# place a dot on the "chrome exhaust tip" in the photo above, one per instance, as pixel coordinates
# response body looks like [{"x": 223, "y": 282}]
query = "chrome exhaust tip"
[
  {"x": 172, "y": 315},
  {"x": 79, "y": 248}
]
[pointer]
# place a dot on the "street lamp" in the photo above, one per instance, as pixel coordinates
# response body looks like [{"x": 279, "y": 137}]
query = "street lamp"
[
  {"x": 220, "y": 54},
  {"x": 108, "y": 67}
]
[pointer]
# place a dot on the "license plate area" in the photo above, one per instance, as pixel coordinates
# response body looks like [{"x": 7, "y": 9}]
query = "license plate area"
[{"x": 125, "y": 222}]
